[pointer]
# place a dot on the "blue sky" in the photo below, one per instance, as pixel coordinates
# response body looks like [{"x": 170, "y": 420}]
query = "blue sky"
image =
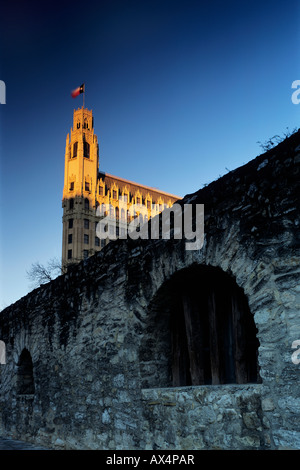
[{"x": 181, "y": 91}]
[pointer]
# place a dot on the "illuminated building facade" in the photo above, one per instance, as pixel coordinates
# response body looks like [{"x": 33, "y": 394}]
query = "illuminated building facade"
[{"x": 90, "y": 194}]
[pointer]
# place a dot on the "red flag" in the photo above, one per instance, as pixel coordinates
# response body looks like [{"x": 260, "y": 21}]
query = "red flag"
[{"x": 77, "y": 91}]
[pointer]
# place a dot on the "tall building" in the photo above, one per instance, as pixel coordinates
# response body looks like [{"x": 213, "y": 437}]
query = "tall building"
[{"x": 89, "y": 195}]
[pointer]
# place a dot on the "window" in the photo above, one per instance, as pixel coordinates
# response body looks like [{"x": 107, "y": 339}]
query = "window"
[
  {"x": 85, "y": 254},
  {"x": 86, "y": 204},
  {"x": 86, "y": 239},
  {"x": 70, "y": 223},
  {"x": 138, "y": 200},
  {"x": 117, "y": 231},
  {"x": 72, "y": 186},
  {"x": 86, "y": 150},
  {"x": 117, "y": 213},
  {"x": 78, "y": 125},
  {"x": 86, "y": 223},
  {"x": 103, "y": 211},
  {"x": 75, "y": 147},
  {"x": 115, "y": 194},
  {"x": 97, "y": 241},
  {"x": 69, "y": 254},
  {"x": 103, "y": 243},
  {"x": 148, "y": 204},
  {"x": 70, "y": 238},
  {"x": 101, "y": 191},
  {"x": 87, "y": 186},
  {"x": 25, "y": 381},
  {"x": 71, "y": 203}
]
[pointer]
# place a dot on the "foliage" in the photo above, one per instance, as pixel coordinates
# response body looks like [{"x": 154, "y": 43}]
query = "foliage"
[{"x": 276, "y": 139}]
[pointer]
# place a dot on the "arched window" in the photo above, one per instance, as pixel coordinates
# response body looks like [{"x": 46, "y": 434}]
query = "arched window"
[
  {"x": 86, "y": 149},
  {"x": 111, "y": 212},
  {"x": 203, "y": 331},
  {"x": 103, "y": 211},
  {"x": 75, "y": 147},
  {"x": 25, "y": 381}
]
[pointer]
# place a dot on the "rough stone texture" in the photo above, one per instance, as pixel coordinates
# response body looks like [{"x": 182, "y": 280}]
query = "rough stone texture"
[
  {"x": 215, "y": 417},
  {"x": 92, "y": 333}
]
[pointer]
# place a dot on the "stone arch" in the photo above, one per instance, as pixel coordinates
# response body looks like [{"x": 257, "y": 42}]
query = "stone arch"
[
  {"x": 25, "y": 379},
  {"x": 200, "y": 331}
]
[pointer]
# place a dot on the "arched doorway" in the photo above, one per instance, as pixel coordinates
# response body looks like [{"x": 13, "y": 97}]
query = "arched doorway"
[
  {"x": 202, "y": 331},
  {"x": 25, "y": 381}
]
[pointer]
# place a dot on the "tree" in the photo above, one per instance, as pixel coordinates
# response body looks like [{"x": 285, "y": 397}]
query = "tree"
[{"x": 39, "y": 274}]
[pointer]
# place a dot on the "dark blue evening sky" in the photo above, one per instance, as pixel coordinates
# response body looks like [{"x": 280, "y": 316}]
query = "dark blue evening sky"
[{"x": 181, "y": 91}]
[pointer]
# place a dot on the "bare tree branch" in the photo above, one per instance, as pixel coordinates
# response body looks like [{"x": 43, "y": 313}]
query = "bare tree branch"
[
  {"x": 276, "y": 139},
  {"x": 39, "y": 274}
]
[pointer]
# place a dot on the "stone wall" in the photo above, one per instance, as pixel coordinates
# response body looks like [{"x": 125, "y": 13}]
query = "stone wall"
[
  {"x": 98, "y": 380},
  {"x": 213, "y": 418}
]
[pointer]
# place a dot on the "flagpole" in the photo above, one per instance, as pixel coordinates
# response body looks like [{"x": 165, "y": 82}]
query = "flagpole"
[{"x": 83, "y": 94}]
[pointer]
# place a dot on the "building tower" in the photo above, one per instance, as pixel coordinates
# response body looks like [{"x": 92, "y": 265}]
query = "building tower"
[
  {"x": 79, "y": 193},
  {"x": 86, "y": 189}
]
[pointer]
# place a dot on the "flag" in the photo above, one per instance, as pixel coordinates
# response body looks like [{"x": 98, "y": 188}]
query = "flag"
[{"x": 77, "y": 91}]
